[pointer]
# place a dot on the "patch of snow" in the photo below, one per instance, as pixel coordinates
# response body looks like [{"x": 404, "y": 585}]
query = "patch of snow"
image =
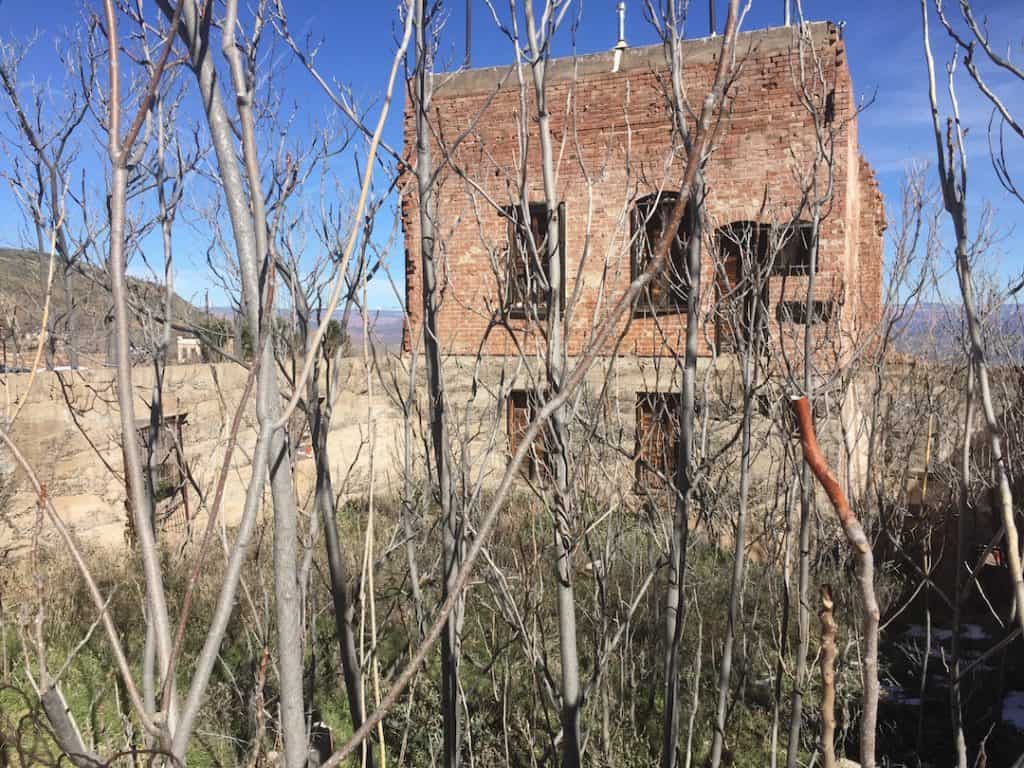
[
  {"x": 939, "y": 634},
  {"x": 1013, "y": 709},
  {"x": 972, "y": 632}
]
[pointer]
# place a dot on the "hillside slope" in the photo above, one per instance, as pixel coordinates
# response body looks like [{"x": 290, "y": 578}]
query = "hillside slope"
[{"x": 22, "y": 298}]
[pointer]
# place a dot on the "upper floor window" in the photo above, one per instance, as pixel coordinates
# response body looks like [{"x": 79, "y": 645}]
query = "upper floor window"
[
  {"x": 787, "y": 249},
  {"x": 669, "y": 290},
  {"x": 741, "y": 285},
  {"x": 795, "y": 252},
  {"x": 530, "y": 245}
]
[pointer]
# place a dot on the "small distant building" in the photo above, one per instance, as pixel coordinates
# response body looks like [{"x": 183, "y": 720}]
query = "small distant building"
[
  {"x": 209, "y": 349},
  {"x": 190, "y": 350}
]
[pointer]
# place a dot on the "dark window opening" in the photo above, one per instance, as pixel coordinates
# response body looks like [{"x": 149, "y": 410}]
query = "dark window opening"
[
  {"x": 744, "y": 248},
  {"x": 795, "y": 254},
  {"x": 657, "y": 439},
  {"x": 530, "y": 245},
  {"x": 752, "y": 244},
  {"x": 796, "y": 312},
  {"x": 669, "y": 290},
  {"x": 523, "y": 405},
  {"x": 746, "y": 244}
]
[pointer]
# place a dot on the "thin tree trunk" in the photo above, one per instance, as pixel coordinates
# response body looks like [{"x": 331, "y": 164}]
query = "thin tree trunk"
[
  {"x": 675, "y": 603},
  {"x": 750, "y": 363},
  {"x": 557, "y": 433},
  {"x": 923, "y": 680},
  {"x": 450, "y": 524},
  {"x": 140, "y": 501},
  {"x": 70, "y": 317},
  {"x": 804, "y": 537},
  {"x": 861, "y": 547},
  {"x": 695, "y": 153},
  {"x": 248, "y": 222},
  {"x": 344, "y": 612},
  {"x": 955, "y": 707},
  {"x": 803, "y": 619},
  {"x": 253, "y": 263},
  {"x": 65, "y": 732},
  {"x": 408, "y": 529}
]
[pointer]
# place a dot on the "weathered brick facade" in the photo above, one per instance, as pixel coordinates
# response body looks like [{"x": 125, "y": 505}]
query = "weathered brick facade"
[{"x": 613, "y": 143}]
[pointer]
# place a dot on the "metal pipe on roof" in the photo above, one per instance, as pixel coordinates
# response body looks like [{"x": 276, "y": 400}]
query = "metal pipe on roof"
[
  {"x": 469, "y": 32},
  {"x": 620, "y": 45}
]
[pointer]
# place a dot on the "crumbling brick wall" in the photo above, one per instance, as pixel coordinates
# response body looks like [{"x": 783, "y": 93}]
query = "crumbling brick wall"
[{"x": 612, "y": 137}]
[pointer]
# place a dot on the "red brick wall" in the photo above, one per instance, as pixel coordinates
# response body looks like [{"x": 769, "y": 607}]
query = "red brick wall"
[{"x": 612, "y": 140}]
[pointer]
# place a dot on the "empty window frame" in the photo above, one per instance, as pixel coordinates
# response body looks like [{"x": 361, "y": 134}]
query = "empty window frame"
[
  {"x": 657, "y": 439},
  {"x": 669, "y": 291},
  {"x": 796, "y": 312},
  {"x": 788, "y": 249},
  {"x": 530, "y": 246},
  {"x": 794, "y": 256},
  {"x": 744, "y": 253}
]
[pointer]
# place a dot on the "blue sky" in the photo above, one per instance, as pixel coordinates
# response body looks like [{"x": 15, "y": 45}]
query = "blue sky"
[{"x": 883, "y": 42}]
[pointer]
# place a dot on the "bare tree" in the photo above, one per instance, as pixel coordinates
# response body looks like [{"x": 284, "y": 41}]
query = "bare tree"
[
  {"x": 41, "y": 182},
  {"x": 697, "y": 145},
  {"x": 951, "y": 158},
  {"x": 452, "y": 554},
  {"x": 861, "y": 547}
]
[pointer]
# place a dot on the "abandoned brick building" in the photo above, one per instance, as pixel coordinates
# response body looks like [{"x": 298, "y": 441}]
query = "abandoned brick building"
[{"x": 616, "y": 173}]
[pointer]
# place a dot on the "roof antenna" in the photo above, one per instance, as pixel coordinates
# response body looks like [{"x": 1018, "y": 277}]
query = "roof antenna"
[
  {"x": 469, "y": 32},
  {"x": 620, "y": 46}
]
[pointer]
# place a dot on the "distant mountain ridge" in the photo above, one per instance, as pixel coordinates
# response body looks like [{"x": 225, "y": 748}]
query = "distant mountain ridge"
[
  {"x": 386, "y": 325},
  {"x": 935, "y": 329}
]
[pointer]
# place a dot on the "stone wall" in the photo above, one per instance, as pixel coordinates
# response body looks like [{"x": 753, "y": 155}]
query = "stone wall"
[{"x": 68, "y": 430}]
